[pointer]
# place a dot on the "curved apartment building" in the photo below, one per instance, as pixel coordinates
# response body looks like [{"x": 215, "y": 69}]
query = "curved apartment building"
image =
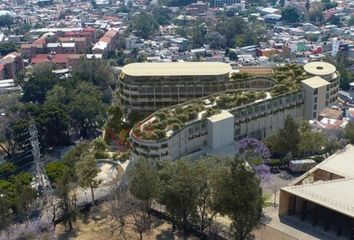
[
  {"x": 147, "y": 87},
  {"x": 229, "y": 115}
]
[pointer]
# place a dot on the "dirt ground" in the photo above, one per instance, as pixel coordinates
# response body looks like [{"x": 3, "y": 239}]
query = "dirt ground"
[{"x": 96, "y": 225}]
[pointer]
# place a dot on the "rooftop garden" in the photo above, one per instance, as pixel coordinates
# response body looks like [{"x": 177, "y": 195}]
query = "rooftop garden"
[
  {"x": 166, "y": 121},
  {"x": 239, "y": 76},
  {"x": 288, "y": 78}
]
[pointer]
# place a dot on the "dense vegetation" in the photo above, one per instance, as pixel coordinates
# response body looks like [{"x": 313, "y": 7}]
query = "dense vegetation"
[
  {"x": 193, "y": 193},
  {"x": 174, "y": 118}
]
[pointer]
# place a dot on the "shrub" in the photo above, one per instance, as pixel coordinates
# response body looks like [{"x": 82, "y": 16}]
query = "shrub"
[
  {"x": 192, "y": 115},
  {"x": 183, "y": 117},
  {"x": 115, "y": 156},
  {"x": 101, "y": 155},
  {"x": 160, "y": 134},
  {"x": 175, "y": 127}
]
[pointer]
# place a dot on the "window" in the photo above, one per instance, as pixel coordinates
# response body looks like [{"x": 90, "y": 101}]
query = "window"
[
  {"x": 315, "y": 92},
  {"x": 315, "y": 107},
  {"x": 315, "y": 99},
  {"x": 314, "y": 115}
]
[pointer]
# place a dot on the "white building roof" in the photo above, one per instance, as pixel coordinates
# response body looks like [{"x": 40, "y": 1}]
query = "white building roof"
[
  {"x": 221, "y": 116},
  {"x": 320, "y": 68},
  {"x": 337, "y": 195},
  {"x": 177, "y": 69},
  {"x": 68, "y": 45},
  {"x": 340, "y": 163},
  {"x": 100, "y": 45},
  {"x": 315, "y": 82}
]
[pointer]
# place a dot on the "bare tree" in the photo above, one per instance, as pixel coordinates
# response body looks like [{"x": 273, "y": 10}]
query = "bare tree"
[
  {"x": 119, "y": 208},
  {"x": 141, "y": 219},
  {"x": 127, "y": 211}
]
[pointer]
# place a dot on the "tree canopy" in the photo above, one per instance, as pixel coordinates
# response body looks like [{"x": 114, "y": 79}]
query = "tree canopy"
[
  {"x": 291, "y": 14},
  {"x": 143, "y": 24},
  {"x": 6, "y": 21},
  {"x": 6, "y": 48},
  {"x": 239, "y": 196},
  {"x": 39, "y": 83}
]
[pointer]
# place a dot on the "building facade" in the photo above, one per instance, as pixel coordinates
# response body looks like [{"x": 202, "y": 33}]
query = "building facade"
[
  {"x": 148, "y": 87},
  {"x": 322, "y": 199},
  {"x": 249, "y": 104}
]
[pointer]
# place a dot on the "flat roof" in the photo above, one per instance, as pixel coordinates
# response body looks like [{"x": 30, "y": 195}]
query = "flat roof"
[
  {"x": 176, "y": 69},
  {"x": 315, "y": 82},
  {"x": 320, "y": 68},
  {"x": 221, "y": 116},
  {"x": 336, "y": 195}
]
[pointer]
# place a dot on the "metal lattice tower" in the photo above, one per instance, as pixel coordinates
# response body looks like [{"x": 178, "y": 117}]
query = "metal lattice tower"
[{"x": 40, "y": 175}]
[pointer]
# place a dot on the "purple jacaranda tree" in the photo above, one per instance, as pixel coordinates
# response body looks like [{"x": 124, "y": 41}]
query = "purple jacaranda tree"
[
  {"x": 263, "y": 172},
  {"x": 253, "y": 148},
  {"x": 35, "y": 229}
]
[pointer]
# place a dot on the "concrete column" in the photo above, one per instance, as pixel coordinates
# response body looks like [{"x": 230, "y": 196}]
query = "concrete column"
[
  {"x": 340, "y": 226},
  {"x": 303, "y": 210},
  {"x": 329, "y": 216},
  {"x": 315, "y": 215},
  {"x": 292, "y": 205}
]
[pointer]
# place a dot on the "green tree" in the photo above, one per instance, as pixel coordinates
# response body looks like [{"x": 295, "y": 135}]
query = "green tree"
[
  {"x": 215, "y": 40},
  {"x": 231, "y": 27},
  {"x": 144, "y": 182},
  {"x": 6, "y": 21},
  {"x": 95, "y": 71},
  {"x": 53, "y": 125},
  {"x": 311, "y": 142},
  {"x": 54, "y": 170},
  {"x": 351, "y": 21},
  {"x": 162, "y": 15},
  {"x": 349, "y": 132},
  {"x": 205, "y": 171},
  {"x": 6, "y": 48},
  {"x": 315, "y": 14},
  {"x": 239, "y": 196},
  {"x": 144, "y": 25},
  {"x": 18, "y": 196},
  {"x": 75, "y": 154},
  {"x": 290, "y": 14},
  {"x": 86, "y": 108},
  {"x": 7, "y": 169},
  {"x": 114, "y": 124},
  {"x": 87, "y": 172},
  {"x": 335, "y": 20},
  {"x": 287, "y": 140},
  {"x": 329, "y": 4},
  {"x": 197, "y": 34},
  {"x": 64, "y": 189},
  {"x": 82, "y": 101},
  {"x": 39, "y": 83},
  {"x": 179, "y": 191}
]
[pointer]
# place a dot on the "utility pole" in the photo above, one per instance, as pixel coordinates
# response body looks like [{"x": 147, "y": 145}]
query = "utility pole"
[{"x": 40, "y": 173}]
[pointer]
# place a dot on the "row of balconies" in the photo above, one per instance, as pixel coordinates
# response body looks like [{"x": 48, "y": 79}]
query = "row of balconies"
[{"x": 201, "y": 88}]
